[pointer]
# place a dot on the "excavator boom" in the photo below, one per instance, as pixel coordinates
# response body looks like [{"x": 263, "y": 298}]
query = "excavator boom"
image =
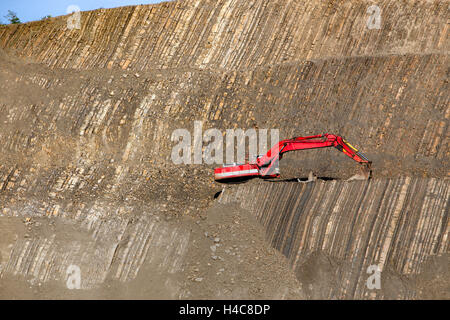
[{"x": 266, "y": 166}]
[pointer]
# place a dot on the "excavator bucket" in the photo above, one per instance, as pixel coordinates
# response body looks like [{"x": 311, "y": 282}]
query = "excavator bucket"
[{"x": 365, "y": 168}]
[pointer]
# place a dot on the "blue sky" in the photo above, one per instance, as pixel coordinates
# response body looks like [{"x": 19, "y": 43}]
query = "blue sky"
[{"x": 30, "y": 10}]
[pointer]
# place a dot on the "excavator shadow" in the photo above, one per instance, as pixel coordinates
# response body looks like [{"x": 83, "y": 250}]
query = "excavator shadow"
[
  {"x": 302, "y": 179},
  {"x": 238, "y": 180}
]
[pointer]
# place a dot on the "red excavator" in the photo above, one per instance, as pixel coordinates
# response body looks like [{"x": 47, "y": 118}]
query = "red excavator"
[{"x": 266, "y": 166}]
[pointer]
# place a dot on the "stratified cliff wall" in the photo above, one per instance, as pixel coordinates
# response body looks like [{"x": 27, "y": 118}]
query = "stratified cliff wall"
[
  {"x": 385, "y": 106},
  {"x": 86, "y": 118},
  {"x": 332, "y": 231},
  {"x": 231, "y": 34}
]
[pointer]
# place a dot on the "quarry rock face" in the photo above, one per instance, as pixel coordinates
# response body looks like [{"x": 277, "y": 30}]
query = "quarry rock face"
[
  {"x": 90, "y": 198},
  {"x": 351, "y": 225}
]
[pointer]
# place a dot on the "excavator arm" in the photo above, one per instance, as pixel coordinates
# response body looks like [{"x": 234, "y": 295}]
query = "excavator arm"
[
  {"x": 266, "y": 166},
  {"x": 311, "y": 142}
]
